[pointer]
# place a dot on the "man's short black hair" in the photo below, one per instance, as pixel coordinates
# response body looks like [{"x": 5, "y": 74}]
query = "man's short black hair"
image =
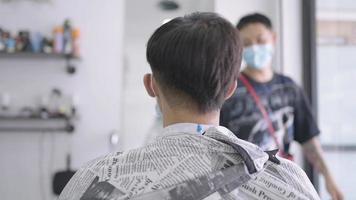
[
  {"x": 195, "y": 59},
  {"x": 254, "y": 18}
]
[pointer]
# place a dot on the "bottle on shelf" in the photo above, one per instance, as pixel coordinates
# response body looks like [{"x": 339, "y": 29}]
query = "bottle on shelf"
[
  {"x": 58, "y": 40},
  {"x": 5, "y": 101},
  {"x": 23, "y": 41},
  {"x": 36, "y": 40},
  {"x": 10, "y": 42},
  {"x": 76, "y": 46},
  {"x": 47, "y": 45},
  {"x": 67, "y": 38},
  {"x": 2, "y": 41}
]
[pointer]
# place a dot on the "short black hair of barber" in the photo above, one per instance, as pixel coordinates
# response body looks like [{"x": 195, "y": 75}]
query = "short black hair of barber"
[
  {"x": 195, "y": 59},
  {"x": 254, "y": 18}
]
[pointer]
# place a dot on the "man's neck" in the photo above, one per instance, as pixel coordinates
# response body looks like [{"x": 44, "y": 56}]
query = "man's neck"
[
  {"x": 262, "y": 76},
  {"x": 188, "y": 116}
]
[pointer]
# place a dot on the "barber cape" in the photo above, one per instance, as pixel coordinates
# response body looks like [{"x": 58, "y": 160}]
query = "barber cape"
[{"x": 182, "y": 164}]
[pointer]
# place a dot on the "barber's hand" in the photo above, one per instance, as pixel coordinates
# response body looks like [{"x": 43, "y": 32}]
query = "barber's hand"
[{"x": 333, "y": 190}]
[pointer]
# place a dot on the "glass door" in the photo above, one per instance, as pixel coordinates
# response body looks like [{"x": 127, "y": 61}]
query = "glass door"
[{"x": 336, "y": 86}]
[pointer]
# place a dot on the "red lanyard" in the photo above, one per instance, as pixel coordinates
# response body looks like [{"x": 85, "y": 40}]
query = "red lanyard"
[{"x": 262, "y": 109}]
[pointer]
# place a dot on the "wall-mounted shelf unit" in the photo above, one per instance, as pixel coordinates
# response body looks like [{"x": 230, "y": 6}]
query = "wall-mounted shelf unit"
[
  {"x": 36, "y": 124},
  {"x": 70, "y": 68}
]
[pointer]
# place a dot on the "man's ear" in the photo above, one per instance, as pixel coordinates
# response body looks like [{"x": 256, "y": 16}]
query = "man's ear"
[
  {"x": 148, "y": 82},
  {"x": 231, "y": 90}
]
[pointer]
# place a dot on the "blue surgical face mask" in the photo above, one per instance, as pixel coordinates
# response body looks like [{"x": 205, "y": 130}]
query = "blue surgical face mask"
[{"x": 258, "y": 56}]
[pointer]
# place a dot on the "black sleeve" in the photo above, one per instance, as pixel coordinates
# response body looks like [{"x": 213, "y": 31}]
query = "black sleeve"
[{"x": 305, "y": 126}]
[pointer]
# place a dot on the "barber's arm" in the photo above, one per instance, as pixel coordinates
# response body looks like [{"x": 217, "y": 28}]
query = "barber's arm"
[{"x": 313, "y": 151}]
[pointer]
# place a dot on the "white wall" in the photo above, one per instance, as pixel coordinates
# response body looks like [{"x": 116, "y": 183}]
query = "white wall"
[
  {"x": 291, "y": 28},
  {"x": 233, "y": 10},
  {"x": 27, "y": 160}
]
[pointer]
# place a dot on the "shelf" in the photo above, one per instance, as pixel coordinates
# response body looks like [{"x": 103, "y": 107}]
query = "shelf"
[
  {"x": 35, "y": 124},
  {"x": 71, "y": 69},
  {"x": 36, "y": 55}
]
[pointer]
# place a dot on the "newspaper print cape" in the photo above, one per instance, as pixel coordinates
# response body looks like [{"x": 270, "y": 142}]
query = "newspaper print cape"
[{"x": 183, "y": 165}]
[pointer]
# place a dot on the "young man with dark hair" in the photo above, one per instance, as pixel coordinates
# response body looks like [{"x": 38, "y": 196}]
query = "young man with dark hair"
[
  {"x": 195, "y": 61},
  {"x": 269, "y": 109}
]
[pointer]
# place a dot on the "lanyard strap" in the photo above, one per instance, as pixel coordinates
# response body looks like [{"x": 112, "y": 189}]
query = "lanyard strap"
[{"x": 262, "y": 108}]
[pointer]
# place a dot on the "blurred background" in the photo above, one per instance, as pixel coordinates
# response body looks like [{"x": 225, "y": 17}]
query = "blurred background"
[{"x": 76, "y": 93}]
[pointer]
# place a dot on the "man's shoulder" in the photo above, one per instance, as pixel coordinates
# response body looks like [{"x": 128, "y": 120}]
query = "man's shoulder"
[
  {"x": 99, "y": 175},
  {"x": 284, "y": 180},
  {"x": 278, "y": 80},
  {"x": 283, "y": 79},
  {"x": 288, "y": 177}
]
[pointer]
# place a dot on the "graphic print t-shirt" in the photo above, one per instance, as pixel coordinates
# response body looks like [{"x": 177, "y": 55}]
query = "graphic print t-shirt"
[{"x": 286, "y": 105}]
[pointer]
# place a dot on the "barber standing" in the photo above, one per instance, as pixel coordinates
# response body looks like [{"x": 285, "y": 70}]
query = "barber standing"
[{"x": 269, "y": 109}]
